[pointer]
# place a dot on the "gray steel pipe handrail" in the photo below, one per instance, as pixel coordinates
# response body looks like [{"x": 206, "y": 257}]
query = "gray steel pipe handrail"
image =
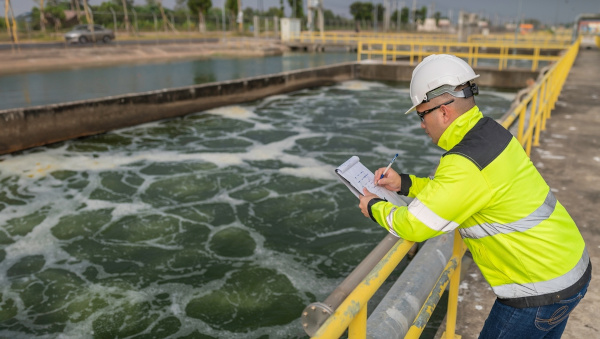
[{"x": 394, "y": 315}]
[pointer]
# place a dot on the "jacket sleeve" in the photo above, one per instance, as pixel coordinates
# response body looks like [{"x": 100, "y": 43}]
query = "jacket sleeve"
[
  {"x": 412, "y": 185},
  {"x": 457, "y": 191}
]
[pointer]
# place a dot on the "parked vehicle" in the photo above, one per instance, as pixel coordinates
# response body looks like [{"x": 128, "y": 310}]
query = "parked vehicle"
[{"x": 83, "y": 34}]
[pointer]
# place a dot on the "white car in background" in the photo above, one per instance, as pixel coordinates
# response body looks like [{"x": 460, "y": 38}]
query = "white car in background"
[{"x": 83, "y": 34}]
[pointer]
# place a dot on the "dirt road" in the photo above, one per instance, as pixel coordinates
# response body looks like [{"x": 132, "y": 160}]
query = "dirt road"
[{"x": 27, "y": 60}]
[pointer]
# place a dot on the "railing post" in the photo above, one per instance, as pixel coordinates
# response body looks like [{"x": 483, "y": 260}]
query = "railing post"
[
  {"x": 521, "y": 123},
  {"x": 384, "y": 50},
  {"x": 452, "y": 308},
  {"x": 358, "y": 327},
  {"x": 534, "y": 118},
  {"x": 547, "y": 100},
  {"x": 359, "y": 50},
  {"x": 536, "y": 58}
]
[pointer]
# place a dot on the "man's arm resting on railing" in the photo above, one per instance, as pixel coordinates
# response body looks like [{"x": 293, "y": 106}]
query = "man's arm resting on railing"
[{"x": 458, "y": 191}]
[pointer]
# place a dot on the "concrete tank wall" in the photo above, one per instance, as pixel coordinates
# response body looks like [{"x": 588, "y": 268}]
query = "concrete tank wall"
[{"x": 41, "y": 125}]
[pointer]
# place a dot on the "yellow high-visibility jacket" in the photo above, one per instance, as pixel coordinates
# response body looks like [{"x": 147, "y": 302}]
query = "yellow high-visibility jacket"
[{"x": 525, "y": 243}]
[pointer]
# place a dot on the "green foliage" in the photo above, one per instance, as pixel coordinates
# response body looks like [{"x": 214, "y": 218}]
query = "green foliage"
[
  {"x": 362, "y": 11},
  {"x": 215, "y": 11},
  {"x": 421, "y": 14},
  {"x": 328, "y": 15},
  {"x": 106, "y": 7},
  {"x": 299, "y": 12},
  {"x": 249, "y": 13},
  {"x": 231, "y": 6},
  {"x": 197, "y": 6},
  {"x": 56, "y": 13},
  {"x": 404, "y": 16},
  {"x": 274, "y": 11},
  {"x": 57, "y": 3},
  {"x": 119, "y": 3},
  {"x": 437, "y": 16},
  {"x": 380, "y": 11}
]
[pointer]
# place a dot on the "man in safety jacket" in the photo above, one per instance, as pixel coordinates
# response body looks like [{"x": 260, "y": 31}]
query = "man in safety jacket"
[{"x": 525, "y": 243}]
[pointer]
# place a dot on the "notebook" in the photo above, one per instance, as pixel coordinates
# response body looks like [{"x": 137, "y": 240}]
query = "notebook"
[{"x": 356, "y": 176}]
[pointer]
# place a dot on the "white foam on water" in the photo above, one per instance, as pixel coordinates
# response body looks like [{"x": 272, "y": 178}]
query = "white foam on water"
[
  {"x": 233, "y": 112},
  {"x": 36, "y": 165},
  {"x": 504, "y": 95},
  {"x": 320, "y": 172},
  {"x": 358, "y": 85},
  {"x": 120, "y": 209},
  {"x": 273, "y": 98}
]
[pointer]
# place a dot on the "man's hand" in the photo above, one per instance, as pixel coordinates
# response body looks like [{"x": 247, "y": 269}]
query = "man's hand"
[
  {"x": 364, "y": 201},
  {"x": 391, "y": 180}
]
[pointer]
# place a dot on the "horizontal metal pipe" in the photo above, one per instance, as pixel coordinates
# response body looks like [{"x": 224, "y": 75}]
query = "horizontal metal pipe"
[{"x": 394, "y": 315}]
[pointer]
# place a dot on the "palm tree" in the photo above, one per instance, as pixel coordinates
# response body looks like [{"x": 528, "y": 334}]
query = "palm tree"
[
  {"x": 200, "y": 7},
  {"x": 166, "y": 21},
  {"x": 12, "y": 30},
  {"x": 42, "y": 16},
  {"x": 127, "y": 25}
]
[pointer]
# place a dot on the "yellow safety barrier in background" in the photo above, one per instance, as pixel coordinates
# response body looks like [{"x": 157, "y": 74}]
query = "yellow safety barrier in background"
[
  {"x": 415, "y": 51},
  {"x": 540, "y": 100},
  {"x": 539, "y": 38}
]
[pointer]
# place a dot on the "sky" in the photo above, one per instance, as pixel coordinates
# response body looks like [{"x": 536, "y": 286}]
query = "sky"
[{"x": 497, "y": 11}]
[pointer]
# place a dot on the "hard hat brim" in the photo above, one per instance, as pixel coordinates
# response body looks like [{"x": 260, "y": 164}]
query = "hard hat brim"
[{"x": 414, "y": 108}]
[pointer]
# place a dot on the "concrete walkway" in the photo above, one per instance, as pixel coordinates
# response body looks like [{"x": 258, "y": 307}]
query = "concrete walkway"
[{"x": 569, "y": 159}]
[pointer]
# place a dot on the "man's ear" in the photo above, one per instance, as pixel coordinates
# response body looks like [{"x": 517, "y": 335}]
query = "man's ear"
[{"x": 446, "y": 113}]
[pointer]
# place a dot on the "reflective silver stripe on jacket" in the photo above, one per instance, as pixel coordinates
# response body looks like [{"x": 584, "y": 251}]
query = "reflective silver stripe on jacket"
[
  {"x": 429, "y": 218},
  {"x": 389, "y": 219},
  {"x": 539, "y": 215},
  {"x": 545, "y": 287}
]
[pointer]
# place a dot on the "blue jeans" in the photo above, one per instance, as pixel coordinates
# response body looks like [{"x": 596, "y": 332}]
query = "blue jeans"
[{"x": 546, "y": 322}]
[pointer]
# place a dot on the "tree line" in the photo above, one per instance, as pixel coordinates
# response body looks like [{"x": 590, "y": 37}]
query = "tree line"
[{"x": 52, "y": 14}]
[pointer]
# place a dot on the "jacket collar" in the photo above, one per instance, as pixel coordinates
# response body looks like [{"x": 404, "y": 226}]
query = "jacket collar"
[{"x": 459, "y": 127}]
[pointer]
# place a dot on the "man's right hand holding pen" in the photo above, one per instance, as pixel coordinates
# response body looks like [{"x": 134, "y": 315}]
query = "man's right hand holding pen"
[{"x": 391, "y": 179}]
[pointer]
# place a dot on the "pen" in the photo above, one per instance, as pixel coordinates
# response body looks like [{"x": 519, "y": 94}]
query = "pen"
[{"x": 388, "y": 166}]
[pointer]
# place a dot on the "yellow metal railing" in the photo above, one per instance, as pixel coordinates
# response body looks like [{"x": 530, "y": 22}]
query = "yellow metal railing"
[
  {"x": 535, "y": 108},
  {"x": 539, "y": 38},
  {"x": 352, "y": 312},
  {"x": 415, "y": 51}
]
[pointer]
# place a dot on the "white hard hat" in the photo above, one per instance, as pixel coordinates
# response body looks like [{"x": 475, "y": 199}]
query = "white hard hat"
[{"x": 435, "y": 71}]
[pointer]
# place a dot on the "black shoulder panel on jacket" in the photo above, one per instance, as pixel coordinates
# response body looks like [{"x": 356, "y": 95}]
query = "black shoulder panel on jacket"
[{"x": 483, "y": 143}]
